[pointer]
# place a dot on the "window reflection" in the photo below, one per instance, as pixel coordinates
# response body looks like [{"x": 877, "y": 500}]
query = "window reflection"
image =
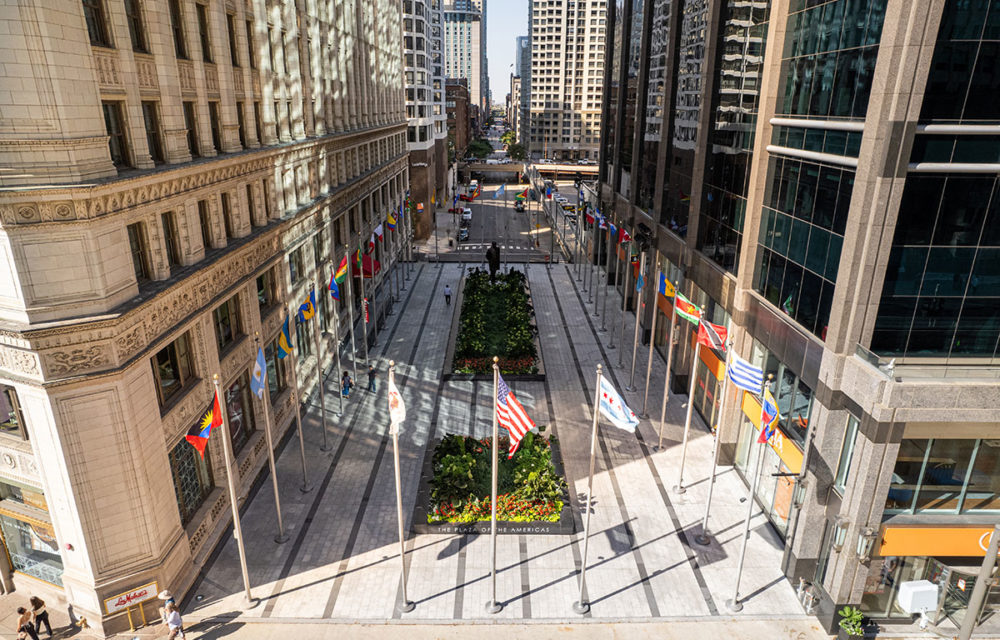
[{"x": 950, "y": 475}]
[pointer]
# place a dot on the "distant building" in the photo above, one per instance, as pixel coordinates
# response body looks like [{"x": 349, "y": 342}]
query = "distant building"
[
  {"x": 566, "y": 79},
  {"x": 522, "y": 69},
  {"x": 513, "y": 104},
  {"x": 426, "y": 135},
  {"x": 465, "y": 47},
  {"x": 458, "y": 109}
]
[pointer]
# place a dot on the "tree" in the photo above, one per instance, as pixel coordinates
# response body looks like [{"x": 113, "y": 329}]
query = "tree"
[
  {"x": 517, "y": 151},
  {"x": 480, "y": 148},
  {"x": 507, "y": 138}
]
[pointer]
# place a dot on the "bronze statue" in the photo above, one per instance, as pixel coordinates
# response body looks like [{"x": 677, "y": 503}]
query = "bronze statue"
[{"x": 493, "y": 258}]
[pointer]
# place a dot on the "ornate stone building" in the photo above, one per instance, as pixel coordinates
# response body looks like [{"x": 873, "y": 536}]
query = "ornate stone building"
[{"x": 174, "y": 175}]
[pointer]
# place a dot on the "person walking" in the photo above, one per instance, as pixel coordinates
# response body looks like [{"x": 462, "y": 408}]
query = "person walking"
[
  {"x": 25, "y": 625},
  {"x": 371, "y": 378},
  {"x": 174, "y": 622},
  {"x": 447, "y": 295},
  {"x": 345, "y": 385},
  {"x": 40, "y": 615}
]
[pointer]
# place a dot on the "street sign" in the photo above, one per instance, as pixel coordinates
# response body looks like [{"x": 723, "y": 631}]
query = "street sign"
[{"x": 130, "y": 598}]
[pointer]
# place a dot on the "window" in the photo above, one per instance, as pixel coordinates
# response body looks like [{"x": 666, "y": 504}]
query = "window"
[
  {"x": 945, "y": 475},
  {"x": 302, "y": 339},
  {"x": 226, "y": 318},
  {"x": 97, "y": 26},
  {"x": 115, "y": 128},
  {"x": 173, "y": 369},
  {"x": 170, "y": 238},
  {"x": 192, "y": 479},
  {"x": 265, "y": 290},
  {"x": 206, "y": 44},
  {"x": 276, "y": 377},
  {"x": 846, "y": 453},
  {"x": 227, "y": 217},
  {"x": 251, "y": 205},
  {"x": 135, "y": 29},
  {"x": 177, "y": 24},
  {"x": 192, "y": 129},
  {"x": 239, "y": 411},
  {"x": 11, "y": 418},
  {"x": 241, "y": 125},
  {"x": 250, "y": 55},
  {"x": 258, "y": 122},
  {"x": 137, "y": 248},
  {"x": 213, "y": 120},
  {"x": 152, "y": 125},
  {"x": 295, "y": 270},
  {"x": 231, "y": 26},
  {"x": 205, "y": 220}
]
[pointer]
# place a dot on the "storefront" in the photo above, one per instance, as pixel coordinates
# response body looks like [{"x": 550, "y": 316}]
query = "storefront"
[{"x": 28, "y": 537}]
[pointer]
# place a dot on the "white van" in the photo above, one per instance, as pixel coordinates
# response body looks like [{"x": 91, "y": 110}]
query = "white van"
[{"x": 473, "y": 186}]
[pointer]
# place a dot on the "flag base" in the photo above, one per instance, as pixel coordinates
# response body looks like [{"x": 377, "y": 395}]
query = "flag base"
[
  {"x": 326, "y": 447},
  {"x": 702, "y": 539},
  {"x": 734, "y": 606},
  {"x": 283, "y": 538},
  {"x": 407, "y": 607},
  {"x": 678, "y": 489},
  {"x": 493, "y": 607},
  {"x": 305, "y": 488},
  {"x": 581, "y": 607}
]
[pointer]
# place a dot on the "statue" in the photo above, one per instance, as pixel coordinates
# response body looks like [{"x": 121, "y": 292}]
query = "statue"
[{"x": 493, "y": 258}]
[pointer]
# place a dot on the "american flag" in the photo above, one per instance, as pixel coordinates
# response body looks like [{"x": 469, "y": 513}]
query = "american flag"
[{"x": 511, "y": 416}]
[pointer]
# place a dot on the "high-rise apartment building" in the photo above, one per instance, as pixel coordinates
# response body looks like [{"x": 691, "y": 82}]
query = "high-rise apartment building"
[
  {"x": 566, "y": 78},
  {"x": 465, "y": 47},
  {"x": 522, "y": 69},
  {"x": 427, "y": 134},
  {"x": 176, "y": 176},
  {"x": 821, "y": 177},
  {"x": 459, "y": 117}
]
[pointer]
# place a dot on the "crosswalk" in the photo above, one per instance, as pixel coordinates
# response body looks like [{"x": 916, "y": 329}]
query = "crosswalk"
[{"x": 466, "y": 246}]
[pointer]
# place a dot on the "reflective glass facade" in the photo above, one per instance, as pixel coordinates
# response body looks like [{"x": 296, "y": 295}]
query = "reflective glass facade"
[
  {"x": 657, "y": 79},
  {"x": 739, "y": 62},
  {"x": 633, "y": 68},
  {"x": 943, "y": 475},
  {"x": 617, "y": 30},
  {"x": 941, "y": 294}
]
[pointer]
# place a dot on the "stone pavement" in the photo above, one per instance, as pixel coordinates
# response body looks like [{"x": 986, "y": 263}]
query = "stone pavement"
[{"x": 341, "y": 561}]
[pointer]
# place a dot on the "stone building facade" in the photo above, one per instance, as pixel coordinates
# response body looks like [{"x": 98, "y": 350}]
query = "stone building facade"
[
  {"x": 176, "y": 174},
  {"x": 459, "y": 121}
]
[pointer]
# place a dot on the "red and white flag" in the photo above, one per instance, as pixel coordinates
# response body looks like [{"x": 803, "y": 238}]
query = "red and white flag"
[
  {"x": 712, "y": 336},
  {"x": 511, "y": 415},
  {"x": 397, "y": 411}
]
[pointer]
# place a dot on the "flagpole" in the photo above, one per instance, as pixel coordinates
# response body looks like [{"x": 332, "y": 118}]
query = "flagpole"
[
  {"x": 237, "y": 529},
  {"x": 305, "y": 488},
  {"x": 336, "y": 345},
  {"x": 581, "y": 606},
  {"x": 581, "y": 218},
  {"x": 493, "y": 606},
  {"x": 703, "y": 537},
  {"x": 625, "y": 286},
  {"x": 373, "y": 304},
  {"x": 588, "y": 276},
  {"x": 690, "y": 408},
  {"x": 734, "y": 605},
  {"x": 640, "y": 307},
  {"x": 652, "y": 341},
  {"x": 364, "y": 301},
  {"x": 265, "y": 401},
  {"x": 319, "y": 372},
  {"x": 405, "y": 606},
  {"x": 350, "y": 314},
  {"x": 607, "y": 283},
  {"x": 670, "y": 358},
  {"x": 597, "y": 265}
]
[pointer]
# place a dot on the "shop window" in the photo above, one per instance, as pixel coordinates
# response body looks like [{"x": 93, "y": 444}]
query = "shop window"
[
  {"x": 192, "y": 479},
  {"x": 846, "y": 454},
  {"x": 945, "y": 475},
  {"x": 276, "y": 377},
  {"x": 226, "y": 318},
  {"x": 239, "y": 412},
  {"x": 173, "y": 369},
  {"x": 11, "y": 417},
  {"x": 982, "y": 491},
  {"x": 28, "y": 533}
]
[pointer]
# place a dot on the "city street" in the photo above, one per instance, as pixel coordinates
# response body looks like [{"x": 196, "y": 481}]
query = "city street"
[{"x": 341, "y": 562}]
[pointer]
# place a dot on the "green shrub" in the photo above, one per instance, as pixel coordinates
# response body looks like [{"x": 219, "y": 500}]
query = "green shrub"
[{"x": 496, "y": 320}]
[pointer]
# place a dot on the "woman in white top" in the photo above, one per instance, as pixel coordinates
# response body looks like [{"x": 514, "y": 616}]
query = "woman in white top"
[{"x": 174, "y": 622}]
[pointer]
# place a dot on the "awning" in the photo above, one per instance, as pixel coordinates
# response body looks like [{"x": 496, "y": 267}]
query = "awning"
[{"x": 367, "y": 262}]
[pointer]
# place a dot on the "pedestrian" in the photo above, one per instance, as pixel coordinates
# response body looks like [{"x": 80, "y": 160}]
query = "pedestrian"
[
  {"x": 24, "y": 624},
  {"x": 168, "y": 598},
  {"x": 174, "y": 622},
  {"x": 346, "y": 384},
  {"x": 447, "y": 295},
  {"x": 40, "y": 615},
  {"x": 371, "y": 378}
]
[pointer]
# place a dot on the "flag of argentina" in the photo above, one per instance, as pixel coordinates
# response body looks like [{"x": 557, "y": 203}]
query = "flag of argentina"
[{"x": 744, "y": 375}]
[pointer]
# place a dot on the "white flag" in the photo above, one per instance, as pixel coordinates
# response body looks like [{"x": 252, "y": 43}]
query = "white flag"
[
  {"x": 614, "y": 408},
  {"x": 397, "y": 412}
]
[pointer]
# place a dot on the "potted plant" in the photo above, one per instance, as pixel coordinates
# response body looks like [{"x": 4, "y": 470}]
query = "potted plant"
[{"x": 851, "y": 622}]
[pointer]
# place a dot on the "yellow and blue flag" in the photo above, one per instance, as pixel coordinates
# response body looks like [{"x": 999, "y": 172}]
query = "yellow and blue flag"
[
  {"x": 666, "y": 287},
  {"x": 334, "y": 289},
  {"x": 308, "y": 308},
  {"x": 284, "y": 341}
]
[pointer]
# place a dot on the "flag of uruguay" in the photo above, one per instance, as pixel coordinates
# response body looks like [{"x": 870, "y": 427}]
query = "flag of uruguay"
[
  {"x": 744, "y": 375},
  {"x": 615, "y": 410}
]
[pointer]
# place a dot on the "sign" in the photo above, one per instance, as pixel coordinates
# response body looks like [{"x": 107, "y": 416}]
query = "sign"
[
  {"x": 131, "y": 598},
  {"x": 968, "y": 541},
  {"x": 787, "y": 451}
]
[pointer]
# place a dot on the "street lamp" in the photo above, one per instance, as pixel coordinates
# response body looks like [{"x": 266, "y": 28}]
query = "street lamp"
[
  {"x": 799, "y": 493},
  {"x": 866, "y": 541},
  {"x": 840, "y": 524}
]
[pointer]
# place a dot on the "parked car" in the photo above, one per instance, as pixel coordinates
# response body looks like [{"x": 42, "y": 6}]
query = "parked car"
[
  {"x": 463, "y": 234},
  {"x": 568, "y": 207},
  {"x": 466, "y": 213}
]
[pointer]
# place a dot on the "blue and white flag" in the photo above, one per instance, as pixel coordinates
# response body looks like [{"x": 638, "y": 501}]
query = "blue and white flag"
[
  {"x": 639, "y": 282},
  {"x": 744, "y": 375},
  {"x": 499, "y": 192},
  {"x": 259, "y": 374},
  {"x": 614, "y": 408}
]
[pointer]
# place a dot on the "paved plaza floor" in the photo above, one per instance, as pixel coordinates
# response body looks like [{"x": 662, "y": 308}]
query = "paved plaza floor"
[{"x": 341, "y": 562}]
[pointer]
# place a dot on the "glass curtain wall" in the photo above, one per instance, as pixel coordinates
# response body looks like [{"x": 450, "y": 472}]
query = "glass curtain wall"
[
  {"x": 654, "y": 107},
  {"x": 617, "y": 34},
  {"x": 633, "y": 68},
  {"x": 945, "y": 476}
]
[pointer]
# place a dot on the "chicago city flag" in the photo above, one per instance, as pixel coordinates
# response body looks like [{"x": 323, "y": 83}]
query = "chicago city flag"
[{"x": 614, "y": 408}]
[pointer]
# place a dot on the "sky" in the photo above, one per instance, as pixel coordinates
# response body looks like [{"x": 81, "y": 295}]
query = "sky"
[{"x": 505, "y": 20}]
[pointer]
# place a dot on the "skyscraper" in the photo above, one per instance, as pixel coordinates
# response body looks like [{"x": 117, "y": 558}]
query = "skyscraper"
[
  {"x": 822, "y": 177},
  {"x": 426, "y": 135},
  {"x": 522, "y": 68},
  {"x": 566, "y": 78},
  {"x": 465, "y": 47}
]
